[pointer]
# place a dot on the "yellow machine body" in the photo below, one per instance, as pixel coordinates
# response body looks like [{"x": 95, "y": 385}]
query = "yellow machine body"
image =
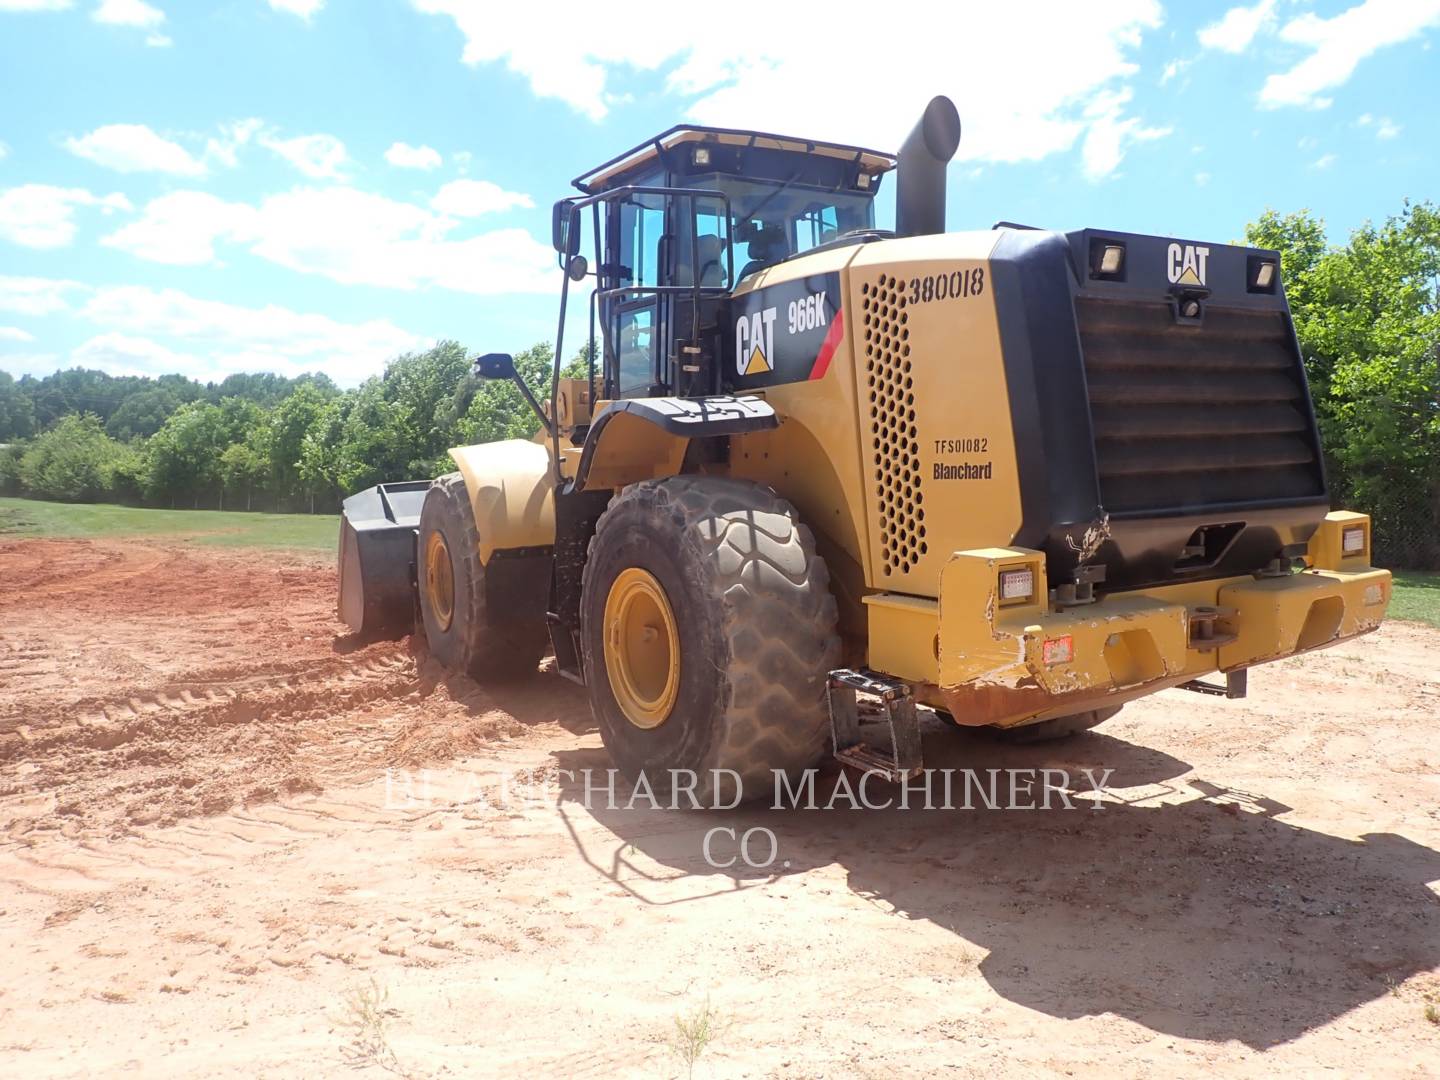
[{"x": 909, "y": 392}]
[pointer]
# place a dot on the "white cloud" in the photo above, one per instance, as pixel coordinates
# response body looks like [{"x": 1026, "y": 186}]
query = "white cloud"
[
  {"x": 181, "y": 228},
  {"x": 43, "y": 216},
  {"x": 1238, "y": 27},
  {"x": 1324, "y": 161},
  {"x": 14, "y": 333},
  {"x": 320, "y": 157},
  {"x": 1109, "y": 131},
  {"x": 148, "y": 331},
  {"x": 134, "y": 13},
  {"x": 129, "y": 148},
  {"x": 1385, "y": 128},
  {"x": 1071, "y": 54},
  {"x": 225, "y": 147},
  {"x": 404, "y": 156},
  {"x": 1172, "y": 69},
  {"x": 471, "y": 198},
  {"x": 1338, "y": 44},
  {"x": 350, "y": 236},
  {"x": 269, "y": 338},
  {"x": 35, "y": 296},
  {"x": 128, "y": 13},
  {"x": 306, "y": 9},
  {"x": 121, "y": 354},
  {"x": 35, "y": 5}
]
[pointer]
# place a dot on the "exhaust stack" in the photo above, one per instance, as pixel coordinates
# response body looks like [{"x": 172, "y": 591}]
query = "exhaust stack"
[{"x": 920, "y": 169}]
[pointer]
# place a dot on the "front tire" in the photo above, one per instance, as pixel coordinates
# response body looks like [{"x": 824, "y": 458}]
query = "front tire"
[
  {"x": 708, "y": 629},
  {"x": 464, "y": 633}
]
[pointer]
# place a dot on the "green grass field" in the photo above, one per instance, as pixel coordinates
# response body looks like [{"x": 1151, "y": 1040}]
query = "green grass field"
[
  {"x": 1416, "y": 596},
  {"x": 31, "y": 517}
]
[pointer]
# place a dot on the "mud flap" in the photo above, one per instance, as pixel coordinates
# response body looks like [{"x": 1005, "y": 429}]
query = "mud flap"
[{"x": 377, "y": 557}]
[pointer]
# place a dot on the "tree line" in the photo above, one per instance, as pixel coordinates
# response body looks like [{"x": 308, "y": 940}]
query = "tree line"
[
  {"x": 253, "y": 442},
  {"x": 1367, "y": 315}
]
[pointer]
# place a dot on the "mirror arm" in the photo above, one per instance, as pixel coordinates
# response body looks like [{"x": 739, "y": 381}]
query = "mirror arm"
[{"x": 530, "y": 400}]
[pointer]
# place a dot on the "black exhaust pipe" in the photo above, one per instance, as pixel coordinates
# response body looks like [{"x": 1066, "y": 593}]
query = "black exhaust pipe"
[{"x": 920, "y": 169}]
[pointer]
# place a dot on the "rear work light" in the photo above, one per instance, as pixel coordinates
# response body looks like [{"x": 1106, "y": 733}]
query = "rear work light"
[
  {"x": 1352, "y": 540},
  {"x": 1017, "y": 585},
  {"x": 1107, "y": 259},
  {"x": 1261, "y": 274}
]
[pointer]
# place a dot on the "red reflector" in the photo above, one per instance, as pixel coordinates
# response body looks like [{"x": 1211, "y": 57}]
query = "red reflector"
[{"x": 1060, "y": 650}]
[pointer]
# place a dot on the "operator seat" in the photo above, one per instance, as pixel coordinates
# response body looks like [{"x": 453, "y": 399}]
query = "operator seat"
[
  {"x": 767, "y": 247},
  {"x": 711, "y": 253}
]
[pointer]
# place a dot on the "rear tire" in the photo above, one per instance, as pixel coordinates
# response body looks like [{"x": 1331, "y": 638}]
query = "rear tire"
[
  {"x": 747, "y": 603},
  {"x": 464, "y": 634}
]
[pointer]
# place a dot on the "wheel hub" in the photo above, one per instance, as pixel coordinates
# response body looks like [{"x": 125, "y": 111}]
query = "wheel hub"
[
  {"x": 642, "y": 648},
  {"x": 439, "y": 579}
]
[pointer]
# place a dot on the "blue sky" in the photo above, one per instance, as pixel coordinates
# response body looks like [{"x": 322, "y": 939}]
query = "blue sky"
[{"x": 296, "y": 185}]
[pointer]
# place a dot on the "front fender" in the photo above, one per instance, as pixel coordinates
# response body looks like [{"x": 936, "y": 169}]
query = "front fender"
[
  {"x": 645, "y": 438},
  {"x": 512, "y": 494}
]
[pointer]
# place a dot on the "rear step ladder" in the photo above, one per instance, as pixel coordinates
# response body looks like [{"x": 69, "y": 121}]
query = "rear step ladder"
[{"x": 901, "y": 760}]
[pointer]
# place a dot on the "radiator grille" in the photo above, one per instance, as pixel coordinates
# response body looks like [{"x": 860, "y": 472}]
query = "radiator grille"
[
  {"x": 1195, "y": 416},
  {"x": 894, "y": 441}
]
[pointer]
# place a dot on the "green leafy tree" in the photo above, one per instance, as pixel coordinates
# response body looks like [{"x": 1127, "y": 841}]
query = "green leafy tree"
[
  {"x": 290, "y": 422},
  {"x": 17, "y": 411},
  {"x": 322, "y": 462},
  {"x": 245, "y": 466},
  {"x": 141, "y": 415},
  {"x": 184, "y": 455},
  {"x": 1368, "y": 319},
  {"x": 10, "y": 457},
  {"x": 72, "y": 462}
]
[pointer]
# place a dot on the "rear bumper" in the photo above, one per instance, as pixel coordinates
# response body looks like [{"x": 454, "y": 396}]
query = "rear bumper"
[{"x": 987, "y": 662}]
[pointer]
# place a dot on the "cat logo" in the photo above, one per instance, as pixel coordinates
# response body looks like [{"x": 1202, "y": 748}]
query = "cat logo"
[
  {"x": 755, "y": 342},
  {"x": 1185, "y": 264}
]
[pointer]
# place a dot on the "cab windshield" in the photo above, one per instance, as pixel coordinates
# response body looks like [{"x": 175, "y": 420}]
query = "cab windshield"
[{"x": 770, "y": 221}]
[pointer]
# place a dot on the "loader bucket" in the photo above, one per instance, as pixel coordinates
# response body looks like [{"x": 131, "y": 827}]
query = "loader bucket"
[{"x": 377, "y": 557}]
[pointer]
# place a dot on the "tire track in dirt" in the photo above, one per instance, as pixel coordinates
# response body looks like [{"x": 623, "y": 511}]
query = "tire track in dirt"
[
  {"x": 198, "y": 746},
  {"x": 149, "y": 683}
]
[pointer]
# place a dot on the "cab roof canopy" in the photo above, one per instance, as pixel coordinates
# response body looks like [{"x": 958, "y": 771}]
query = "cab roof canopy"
[{"x": 730, "y": 145}]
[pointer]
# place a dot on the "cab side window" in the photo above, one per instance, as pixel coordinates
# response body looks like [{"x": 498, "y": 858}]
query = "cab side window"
[
  {"x": 641, "y": 251},
  {"x": 642, "y": 224}
]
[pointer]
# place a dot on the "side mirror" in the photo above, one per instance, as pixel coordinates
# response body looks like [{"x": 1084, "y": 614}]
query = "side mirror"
[
  {"x": 495, "y": 365},
  {"x": 564, "y": 228}
]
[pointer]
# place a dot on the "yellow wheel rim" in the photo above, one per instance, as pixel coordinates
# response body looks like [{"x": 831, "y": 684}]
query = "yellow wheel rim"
[
  {"x": 439, "y": 579},
  {"x": 642, "y": 648}
]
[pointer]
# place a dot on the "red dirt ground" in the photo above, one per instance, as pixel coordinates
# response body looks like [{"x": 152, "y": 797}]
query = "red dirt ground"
[{"x": 235, "y": 841}]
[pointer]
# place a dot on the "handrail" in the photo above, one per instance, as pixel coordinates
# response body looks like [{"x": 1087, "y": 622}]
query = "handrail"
[{"x": 694, "y": 289}]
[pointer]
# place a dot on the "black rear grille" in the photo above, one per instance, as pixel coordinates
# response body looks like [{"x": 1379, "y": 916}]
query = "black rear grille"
[{"x": 1187, "y": 417}]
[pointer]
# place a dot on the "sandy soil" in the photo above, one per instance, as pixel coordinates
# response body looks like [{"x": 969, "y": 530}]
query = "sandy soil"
[{"x": 233, "y": 841}]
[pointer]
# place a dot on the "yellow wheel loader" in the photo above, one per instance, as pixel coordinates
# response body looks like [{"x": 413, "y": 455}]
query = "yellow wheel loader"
[{"x": 1018, "y": 476}]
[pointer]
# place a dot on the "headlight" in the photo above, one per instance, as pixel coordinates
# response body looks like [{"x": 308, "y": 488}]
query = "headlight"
[
  {"x": 1017, "y": 584},
  {"x": 1352, "y": 540}
]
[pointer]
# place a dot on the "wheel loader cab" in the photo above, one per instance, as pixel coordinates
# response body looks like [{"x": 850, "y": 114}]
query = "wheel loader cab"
[{"x": 680, "y": 222}]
